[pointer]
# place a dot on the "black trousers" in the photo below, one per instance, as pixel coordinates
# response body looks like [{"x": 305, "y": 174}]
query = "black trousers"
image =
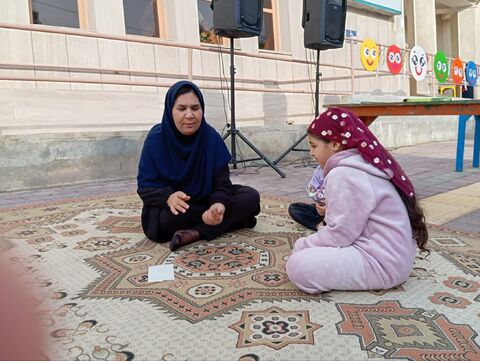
[
  {"x": 159, "y": 224},
  {"x": 305, "y": 214}
]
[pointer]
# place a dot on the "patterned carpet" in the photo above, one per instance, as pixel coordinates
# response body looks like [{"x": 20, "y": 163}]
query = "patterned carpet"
[{"x": 231, "y": 298}]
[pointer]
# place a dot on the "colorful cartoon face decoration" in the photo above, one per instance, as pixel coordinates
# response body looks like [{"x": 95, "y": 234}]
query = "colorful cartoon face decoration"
[
  {"x": 457, "y": 71},
  {"x": 369, "y": 54},
  {"x": 471, "y": 73},
  {"x": 440, "y": 67},
  {"x": 394, "y": 59},
  {"x": 418, "y": 63}
]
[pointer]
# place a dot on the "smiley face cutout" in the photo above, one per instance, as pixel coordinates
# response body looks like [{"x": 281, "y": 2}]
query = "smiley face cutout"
[
  {"x": 369, "y": 54},
  {"x": 418, "y": 63},
  {"x": 394, "y": 59},
  {"x": 457, "y": 71},
  {"x": 440, "y": 67},
  {"x": 471, "y": 73}
]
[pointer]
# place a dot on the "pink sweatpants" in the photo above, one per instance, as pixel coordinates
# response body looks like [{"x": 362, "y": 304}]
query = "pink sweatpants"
[{"x": 320, "y": 269}]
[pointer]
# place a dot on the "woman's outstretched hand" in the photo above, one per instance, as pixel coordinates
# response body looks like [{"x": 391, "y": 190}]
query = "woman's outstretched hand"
[
  {"x": 214, "y": 215},
  {"x": 178, "y": 202}
]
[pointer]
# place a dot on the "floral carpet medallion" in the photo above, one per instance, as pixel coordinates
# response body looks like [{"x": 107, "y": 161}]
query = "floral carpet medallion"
[
  {"x": 210, "y": 278},
  {"x": 390, "y": 330},
  {"x": 231, "y": 298},
  {"x": 274, "y": 328}
]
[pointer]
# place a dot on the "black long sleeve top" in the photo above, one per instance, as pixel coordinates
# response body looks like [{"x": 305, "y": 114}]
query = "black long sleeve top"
[{"x": 221, "y": 192}]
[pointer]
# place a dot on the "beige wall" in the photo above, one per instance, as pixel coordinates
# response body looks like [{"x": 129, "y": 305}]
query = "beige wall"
[
  {"x": 16, "y": 12},
  {"x": 469, "y": 38},
  {"x": 253, "y": 108},
  {"x": 447, "y": 35},
  {"x": 422, "y": 24},
  {"x": 106, "y": 16},
  {"x": 469, "y": 34},
  {"x": 186, "y": 29},
  {"x": 90, "y": 131}
]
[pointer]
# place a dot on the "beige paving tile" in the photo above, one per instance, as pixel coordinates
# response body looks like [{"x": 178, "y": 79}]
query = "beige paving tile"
[{"x": 444, "y": 207}]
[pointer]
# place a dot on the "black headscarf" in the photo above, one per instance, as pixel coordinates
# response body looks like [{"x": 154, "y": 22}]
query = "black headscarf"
[{"x": 187, "y": 163}]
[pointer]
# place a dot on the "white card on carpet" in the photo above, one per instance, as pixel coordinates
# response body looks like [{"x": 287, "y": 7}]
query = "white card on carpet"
[{"x": 163, "y": 272}]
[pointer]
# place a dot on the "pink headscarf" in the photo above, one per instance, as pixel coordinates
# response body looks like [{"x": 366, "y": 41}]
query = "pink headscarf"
[{"x": 344, "y": 127}]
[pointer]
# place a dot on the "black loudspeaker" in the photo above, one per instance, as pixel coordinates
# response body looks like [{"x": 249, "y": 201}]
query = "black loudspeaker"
[
  {"x": 237, "y": 18},
  {"x": 324, "y": 23}
]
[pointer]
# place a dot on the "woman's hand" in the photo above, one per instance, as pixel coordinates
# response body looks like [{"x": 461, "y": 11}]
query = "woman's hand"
[
  {"x": 214, "y": 215},
  {"x": 178, "y": 202},
  {"x": 321, "y": 208}
]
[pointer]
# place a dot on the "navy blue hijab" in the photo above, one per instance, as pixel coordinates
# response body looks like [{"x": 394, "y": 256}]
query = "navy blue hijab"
[{"x": 186, "y": 163}]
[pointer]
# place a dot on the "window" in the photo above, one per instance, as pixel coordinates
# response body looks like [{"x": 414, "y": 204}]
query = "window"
[
  {"x": 267, "y": 38},
  {"x": 68, "y": 13},
  {"x": 205, "y": 23},
  {"x": 142, "y": 17}
]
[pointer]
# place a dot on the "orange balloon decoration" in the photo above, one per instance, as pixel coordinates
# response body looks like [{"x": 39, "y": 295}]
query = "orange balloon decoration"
[{"x": 457, "y": 71}]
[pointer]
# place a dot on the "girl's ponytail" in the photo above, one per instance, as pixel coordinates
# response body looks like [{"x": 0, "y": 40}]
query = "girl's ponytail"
[{"x": 417, "y": 220}]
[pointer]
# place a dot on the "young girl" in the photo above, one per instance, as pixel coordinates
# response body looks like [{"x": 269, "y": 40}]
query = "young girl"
[{"x": 373, "y": 220}]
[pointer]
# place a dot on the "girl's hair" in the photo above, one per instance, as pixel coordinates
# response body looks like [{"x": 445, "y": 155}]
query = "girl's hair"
[
  {"x": 417, "y": 220},
  {"x": 415, "y": 212}
]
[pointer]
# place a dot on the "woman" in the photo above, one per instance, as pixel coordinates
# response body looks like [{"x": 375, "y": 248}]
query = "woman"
[{"x": 184, "y": 179}]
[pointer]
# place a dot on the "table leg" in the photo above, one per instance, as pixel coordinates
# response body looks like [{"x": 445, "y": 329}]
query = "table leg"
[
  {"x": 462, "y": 121},
  {"x": 476, "y": 142}
]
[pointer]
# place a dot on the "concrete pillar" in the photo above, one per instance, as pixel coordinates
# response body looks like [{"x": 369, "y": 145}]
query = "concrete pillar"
[
  {"x": 14, "y": 11},
  {"x": 424, "y": 15},
  {"x": 106, "y": 16},
  {"x": 468, "y": 35},
  {"x": 294, "y": 9},
  {"x": 186, "y": 30},
  {"x": 477, "y": 22},
  {"x": 286, "y": 24},
  {"x": 446, "y": 34},
  {"x": 421, "y": 25}
]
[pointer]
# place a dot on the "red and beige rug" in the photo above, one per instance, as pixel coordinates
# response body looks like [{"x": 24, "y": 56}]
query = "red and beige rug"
[{"x": 231, "y": 298}]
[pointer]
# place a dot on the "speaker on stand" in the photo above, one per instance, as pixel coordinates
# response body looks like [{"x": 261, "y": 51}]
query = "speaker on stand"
[
  {"x": 239, "y": 19},
  {"x": 323, "y": 22}
]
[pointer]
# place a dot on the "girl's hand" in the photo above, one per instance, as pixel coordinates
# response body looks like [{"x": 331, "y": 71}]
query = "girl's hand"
[
  {"x": 321, "y": 208},
  {"x": 214, "y": 215},
  {"x": 178, "y": 202}
]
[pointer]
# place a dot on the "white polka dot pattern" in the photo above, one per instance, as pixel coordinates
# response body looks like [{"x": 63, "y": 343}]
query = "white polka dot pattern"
[{"x": 342, "y": 126}]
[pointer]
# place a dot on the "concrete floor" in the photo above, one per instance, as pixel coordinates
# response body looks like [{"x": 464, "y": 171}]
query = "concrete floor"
[{"x": 450, "y": 198}]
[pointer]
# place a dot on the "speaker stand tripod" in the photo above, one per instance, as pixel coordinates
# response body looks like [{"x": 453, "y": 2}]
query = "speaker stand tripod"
[
  {"x": 233, "y": 132},
  {"x": 317, "y": 90}
]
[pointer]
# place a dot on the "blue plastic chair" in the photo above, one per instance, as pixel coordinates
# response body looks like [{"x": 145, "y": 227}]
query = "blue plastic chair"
[{"x": 462, "y": 124}]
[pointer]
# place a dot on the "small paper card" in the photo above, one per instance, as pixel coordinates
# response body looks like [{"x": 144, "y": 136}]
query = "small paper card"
[{"x": 163, "y": 272}]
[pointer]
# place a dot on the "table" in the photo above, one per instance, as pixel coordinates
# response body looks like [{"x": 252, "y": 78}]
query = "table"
[{"x": 465, "y": 109}]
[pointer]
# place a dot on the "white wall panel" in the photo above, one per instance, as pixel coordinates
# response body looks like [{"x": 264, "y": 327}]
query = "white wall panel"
[
  {"x": 141, "y": 57},
  {"x": 83, "y": 52},
  {"x": 14, "y": 11},
  {"x": 113, "y": 54},
  {"x": 16, "y": 48},
  {"x": 50, "y": 49}
]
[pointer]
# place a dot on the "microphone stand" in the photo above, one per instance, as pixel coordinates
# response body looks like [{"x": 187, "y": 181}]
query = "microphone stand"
[
  {"x": 317, "y": 91},
  {"x": 233, "y": 132}
]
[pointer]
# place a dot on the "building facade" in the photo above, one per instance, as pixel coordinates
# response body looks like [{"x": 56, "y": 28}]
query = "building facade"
[{"x": 81, "y": 81}]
